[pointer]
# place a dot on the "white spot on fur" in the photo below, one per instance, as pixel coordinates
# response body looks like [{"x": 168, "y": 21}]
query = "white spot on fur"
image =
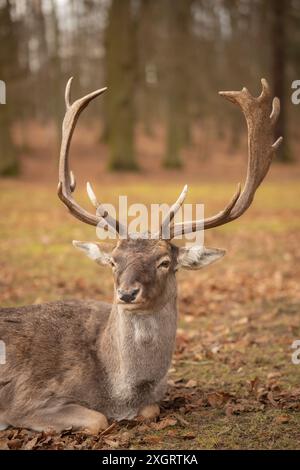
[{"x": 145, "y": 329}]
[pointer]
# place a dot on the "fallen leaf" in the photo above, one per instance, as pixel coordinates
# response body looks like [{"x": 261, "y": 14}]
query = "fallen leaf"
[
  {"x": 253, "y": 384},
  {"x": 164, "y": 423},
  {"x": 111, "y": 443},
  {"x": 15, "y": 444},
  {"x": 271, "y": 399},
  {"x": 31, "y": 444},
  {"x": 217, "y": 399},
  {"x": 273, "y": 375},
  {"x": 188, "y": 436},
  {"x": 3, "y": 444},
  {"x": 191, "y": 384},
  {"x": 152, "y": 439},
  {"x": 282, "y": 419},
  {"x": 232, "y": 409},
  {"x": 181, "y": 420}
]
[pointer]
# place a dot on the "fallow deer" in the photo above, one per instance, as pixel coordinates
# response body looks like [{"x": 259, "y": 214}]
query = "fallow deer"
[{"x": 79, "y": 363}]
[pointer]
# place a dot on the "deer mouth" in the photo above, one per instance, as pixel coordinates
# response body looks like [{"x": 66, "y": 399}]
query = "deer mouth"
[
  {"x": 134, "y": 306},
  {"x": 131, "y": 305}
]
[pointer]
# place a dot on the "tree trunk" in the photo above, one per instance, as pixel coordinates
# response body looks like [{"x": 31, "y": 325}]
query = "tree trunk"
[
  {"x": 57, "y": 107},
  {"x": 121, "y": 77},
  {"x": 279, "y": 11},
  {"x": 178, "y": 135},
  {"x": 9, "y": 164}
]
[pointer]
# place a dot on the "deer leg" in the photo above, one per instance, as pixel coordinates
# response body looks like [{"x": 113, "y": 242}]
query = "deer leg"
[
  {"x": 72, "y": 416},
  {"x": 150, "y": 412}
]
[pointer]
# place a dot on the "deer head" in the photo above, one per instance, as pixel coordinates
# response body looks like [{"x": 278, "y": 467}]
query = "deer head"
[{"x": 143, "y": 267}]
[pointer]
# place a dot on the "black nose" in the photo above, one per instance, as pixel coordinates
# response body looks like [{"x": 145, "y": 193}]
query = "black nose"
[{"x": 128, "y": 296}]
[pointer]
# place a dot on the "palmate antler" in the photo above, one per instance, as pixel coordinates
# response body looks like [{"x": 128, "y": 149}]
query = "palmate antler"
[{"x": 261, "y": 114}]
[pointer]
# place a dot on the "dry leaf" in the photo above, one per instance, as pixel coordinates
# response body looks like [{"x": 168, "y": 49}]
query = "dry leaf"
[
  {"x": 271, "y": 399},
  {"x": 111, "y": 443},
  {"x": 181, "y": 420},
  {"x": 152, "y": 439},
  {"x": 273, "y": 375},
  {"x": 14, "y": 444},
  {"x": 3, "y": 444},
  {"x": 282, "y": 419},
  {"x": 253, "y": 384},
  {"x": 164, "y": 423},
  {"x": 31, "y": 444},
  {"x": 191, "y": 384},
  {"x": 217, "y": 399}
]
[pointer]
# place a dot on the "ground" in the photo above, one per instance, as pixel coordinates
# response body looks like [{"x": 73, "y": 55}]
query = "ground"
[{"x": 232, "y": 384}]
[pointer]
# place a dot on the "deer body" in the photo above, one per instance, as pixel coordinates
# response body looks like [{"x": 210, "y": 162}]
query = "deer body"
[
  {"x": 75, "y": 364},
  {"x": 86, "y": 353},
  {"x": 100, "y": 356}
]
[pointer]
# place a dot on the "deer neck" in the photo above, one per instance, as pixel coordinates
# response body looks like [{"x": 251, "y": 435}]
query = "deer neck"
[{"x": 139, "y": 344}]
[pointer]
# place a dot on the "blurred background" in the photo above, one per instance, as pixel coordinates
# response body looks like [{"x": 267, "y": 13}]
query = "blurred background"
[
  {"x": 163, "y": 61},
  {"x": 161, "y": 125}
]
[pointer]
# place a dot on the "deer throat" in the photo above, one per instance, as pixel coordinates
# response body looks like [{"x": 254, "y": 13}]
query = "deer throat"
[
  {"x": 144, "y": 333},
  {"x": 144, "y": 345}
]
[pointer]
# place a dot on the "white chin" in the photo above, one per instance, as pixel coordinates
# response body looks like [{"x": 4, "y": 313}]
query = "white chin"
[{"x": 138, "y": 307}]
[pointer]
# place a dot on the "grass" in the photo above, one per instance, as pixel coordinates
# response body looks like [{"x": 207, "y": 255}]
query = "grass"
[{"x": 238, "y": 318}]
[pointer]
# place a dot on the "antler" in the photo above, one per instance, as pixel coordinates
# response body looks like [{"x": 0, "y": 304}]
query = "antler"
[
  {"x": 261, "y": 114},
  {"x": 164, "y": 230},
  {"x": 260, "y": 123},
  {"x": 67, "y": 183}
]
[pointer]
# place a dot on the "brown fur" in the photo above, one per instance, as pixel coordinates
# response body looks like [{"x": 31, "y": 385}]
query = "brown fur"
[{"x": 74, "y": 363}]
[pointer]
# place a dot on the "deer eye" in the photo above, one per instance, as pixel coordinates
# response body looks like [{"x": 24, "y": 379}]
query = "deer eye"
[
  {"x": 164, "y": 264},
  {"x": 112, "y": 263}
]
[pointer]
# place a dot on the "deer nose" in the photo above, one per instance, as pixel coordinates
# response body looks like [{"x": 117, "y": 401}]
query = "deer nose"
[{"x": 129, "y": 295}]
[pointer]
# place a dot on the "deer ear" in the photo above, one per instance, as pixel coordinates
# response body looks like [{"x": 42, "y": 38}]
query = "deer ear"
[
  {"x": 93, "y": 251},
  {"x": 196, "y": 257}
]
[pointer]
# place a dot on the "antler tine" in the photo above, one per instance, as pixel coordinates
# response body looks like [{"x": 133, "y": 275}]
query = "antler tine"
[
  {"x": 165, "y": 225},
  {"x": 68, "y": 93},
  {"x": 67, "y": 183},
  {"x": 265, "y": 92},
  {"x": 261, "y": 147},
  {"x": 275, "y": 110},
  {"x": 102, "y": 212},
  {"x": 214, "y": 221},
  {"x": 72, "y": 181}
]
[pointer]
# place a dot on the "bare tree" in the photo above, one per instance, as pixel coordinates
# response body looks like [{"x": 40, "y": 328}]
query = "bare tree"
[
  {"x": 9, "y": 164},
  {"x": 121, "y": 76},
  {"x": 178, "y": 16},
  {"x": 163, "y": 61},
  {"x": 280, "y": 9}
]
